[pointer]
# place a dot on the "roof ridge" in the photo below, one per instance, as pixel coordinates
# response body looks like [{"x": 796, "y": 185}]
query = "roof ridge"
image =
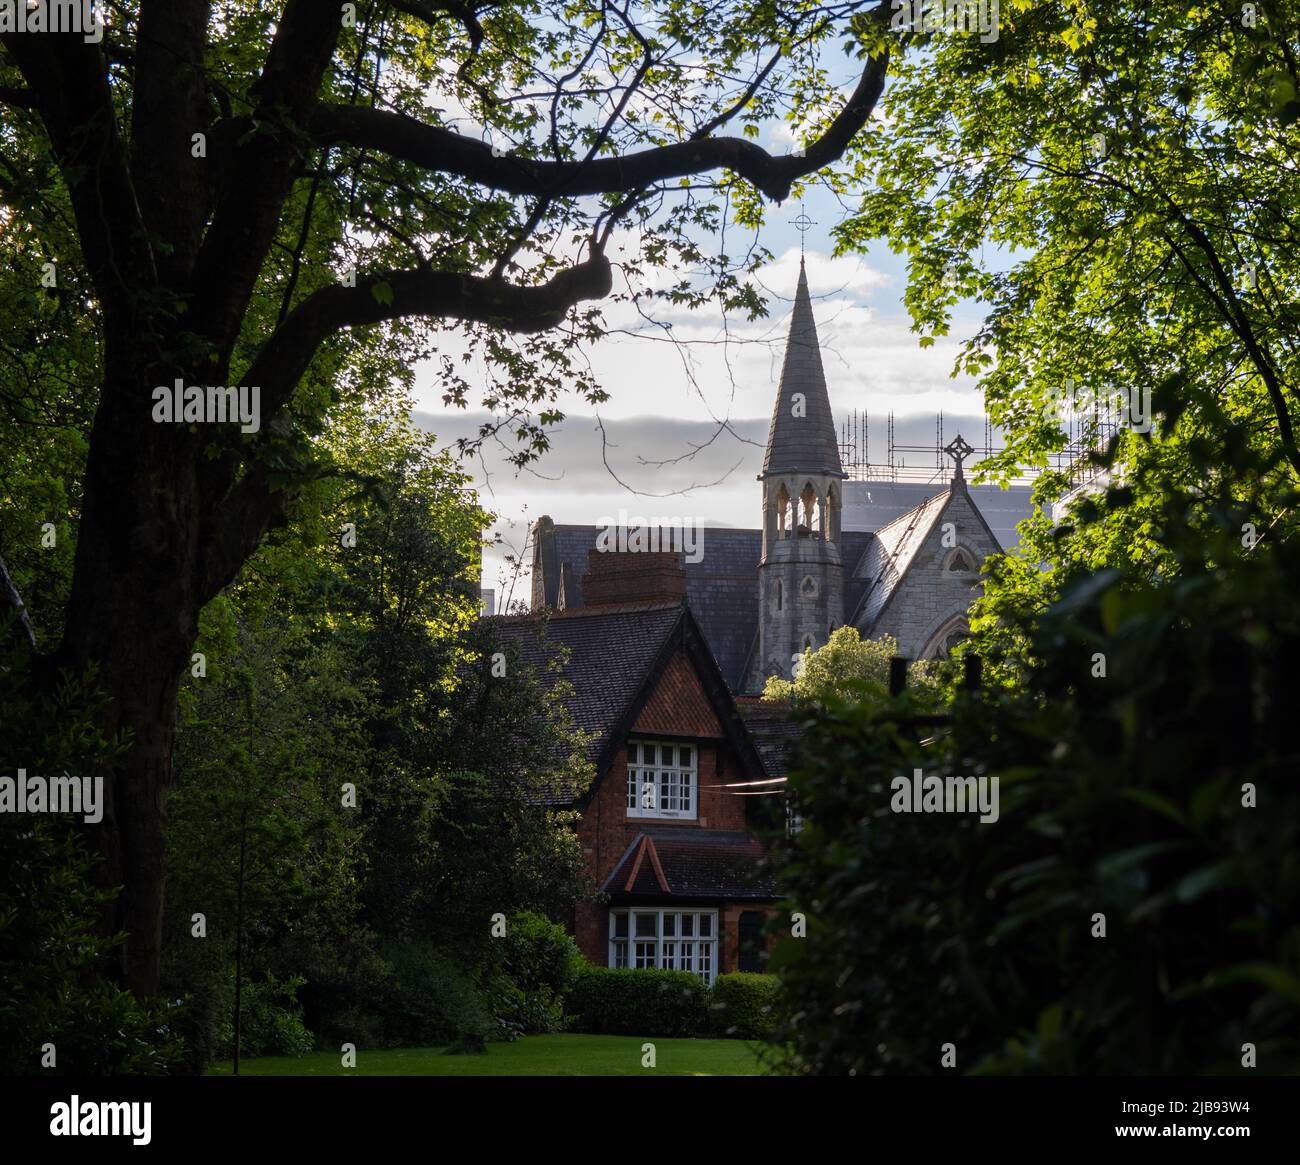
[{"x": 908, "y": 513}]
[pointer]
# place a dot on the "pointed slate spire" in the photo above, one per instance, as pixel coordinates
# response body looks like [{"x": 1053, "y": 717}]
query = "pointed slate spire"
[{"x": 802, "y": 436}]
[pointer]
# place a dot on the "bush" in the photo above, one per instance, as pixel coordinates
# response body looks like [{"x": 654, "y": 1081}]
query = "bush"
[
  {"x": 538, "y": 964},
  {"x": 609, "y": 1001},
  {"x": 743, "y": 1005},
  {"x": 433, "y": 1000},
  {"x": 1127, "y": 802},
  {"x": 52, "y": 952},
  {"x": 271, "y": 1022}
]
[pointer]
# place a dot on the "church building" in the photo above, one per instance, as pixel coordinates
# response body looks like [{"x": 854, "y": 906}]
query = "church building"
[{"x": 763, "y": 596}]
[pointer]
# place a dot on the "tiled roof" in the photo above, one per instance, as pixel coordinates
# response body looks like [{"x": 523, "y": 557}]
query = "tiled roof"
[
  {"x": 610, "y": 653},
  {"x": 804, "y": 443},
  {"x": 890, "y": 553},
  {"x": 721, "y": 588},
  {"x": 691, "y": 863},
  {"x": 773, "y": 730}
]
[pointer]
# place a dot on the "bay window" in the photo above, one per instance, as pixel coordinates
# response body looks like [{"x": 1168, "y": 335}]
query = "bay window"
[{"x": 671, "y": 940}]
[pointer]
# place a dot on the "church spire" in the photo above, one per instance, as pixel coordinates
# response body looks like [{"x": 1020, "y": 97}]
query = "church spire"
[{"x": 802, "y": 436}]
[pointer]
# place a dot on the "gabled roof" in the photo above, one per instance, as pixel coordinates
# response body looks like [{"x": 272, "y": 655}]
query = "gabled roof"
[
  {"x": 774, "y": 731},
  {"x": 890, "y": 554},
  {"x": 721, "y": 587},
  {"x": 616, "y": 655},
  {"x": 691, "y": 863},
  {"x": 805, "y": 443}
]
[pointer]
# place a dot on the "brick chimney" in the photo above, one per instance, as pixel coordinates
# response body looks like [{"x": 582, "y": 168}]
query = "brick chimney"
[{"x": 615, "y": 577}]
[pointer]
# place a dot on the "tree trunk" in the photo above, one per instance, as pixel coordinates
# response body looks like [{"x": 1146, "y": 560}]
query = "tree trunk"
[{"x": 133, "y": 615}]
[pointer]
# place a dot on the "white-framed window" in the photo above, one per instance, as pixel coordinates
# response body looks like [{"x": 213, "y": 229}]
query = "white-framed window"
[
  {"x": 672, "y": 940},
  {"x": 661, "y": 779}
]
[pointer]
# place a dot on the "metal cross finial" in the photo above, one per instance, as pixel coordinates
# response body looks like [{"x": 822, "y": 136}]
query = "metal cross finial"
[
  {"x": 958, "y": 450},
  {"x": 801, "y": 224}
]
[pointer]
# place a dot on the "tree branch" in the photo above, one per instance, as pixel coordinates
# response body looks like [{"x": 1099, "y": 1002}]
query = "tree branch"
[
  {"x": 390, "y": 295},
  {"x": 19, "y": 98},
  {"x": 442, "y": 150},
  {"x": 68, "y": 81},
  {"x": 264, "y": 167},
  {"x": 13, "y": 601},
  {"x": 169, "y": 104}
]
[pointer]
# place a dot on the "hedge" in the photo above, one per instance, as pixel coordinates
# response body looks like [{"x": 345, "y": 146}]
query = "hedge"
[
  {"x": 743, "y": 1005},
  {"x": 622, "y": 1001}
]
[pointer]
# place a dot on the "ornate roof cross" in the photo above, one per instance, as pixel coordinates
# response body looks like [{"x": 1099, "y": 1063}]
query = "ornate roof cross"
[
  {"x": 802, "y": 224},
  {"x": 958, "y": 450}
]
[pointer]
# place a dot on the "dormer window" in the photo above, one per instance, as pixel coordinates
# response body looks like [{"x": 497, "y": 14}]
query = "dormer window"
[{"x": 661, "y": 779}]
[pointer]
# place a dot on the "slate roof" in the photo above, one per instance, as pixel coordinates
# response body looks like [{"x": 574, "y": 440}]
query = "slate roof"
[
  {"x": 611, "y": 651},
  {"x": 890, "y": 553},
  {"x": 703, "y": 864},
  {"x": 773, "y": 730},
  {"x": 721, "y": 588},
  {"x": 802, "y": 444}
]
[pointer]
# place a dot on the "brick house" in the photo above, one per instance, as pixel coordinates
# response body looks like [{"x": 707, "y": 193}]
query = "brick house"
[{"x": 670, "y": 826}]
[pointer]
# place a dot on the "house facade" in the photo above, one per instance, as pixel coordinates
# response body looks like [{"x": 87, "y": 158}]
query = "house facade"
[{"x": 670, "y": 828}]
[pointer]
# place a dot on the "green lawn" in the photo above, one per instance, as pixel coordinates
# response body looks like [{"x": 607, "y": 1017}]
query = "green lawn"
[{"x": 561, "y": 1055}]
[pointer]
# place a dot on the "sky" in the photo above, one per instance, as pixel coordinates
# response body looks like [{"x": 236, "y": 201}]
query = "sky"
[
  {"x": 684, "y": 430},
  {"x": 691, "y": 393}
]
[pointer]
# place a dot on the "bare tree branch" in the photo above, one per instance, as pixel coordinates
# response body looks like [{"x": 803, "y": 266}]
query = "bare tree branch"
[{"x": 440, "y": 149}]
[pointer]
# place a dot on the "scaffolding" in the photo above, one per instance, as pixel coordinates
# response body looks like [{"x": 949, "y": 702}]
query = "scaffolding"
[{"x": 1085, "y": 433}]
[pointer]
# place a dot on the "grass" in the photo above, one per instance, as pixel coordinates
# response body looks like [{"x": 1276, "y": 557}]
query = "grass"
[{"x": 558, "y": 1055}]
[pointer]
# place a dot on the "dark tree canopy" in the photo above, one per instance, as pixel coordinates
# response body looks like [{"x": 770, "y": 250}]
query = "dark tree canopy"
[{"x": 234, "y": 194}]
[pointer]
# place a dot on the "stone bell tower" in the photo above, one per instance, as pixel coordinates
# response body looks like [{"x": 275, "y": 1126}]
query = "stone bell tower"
[{"x": 800, "y": 573}]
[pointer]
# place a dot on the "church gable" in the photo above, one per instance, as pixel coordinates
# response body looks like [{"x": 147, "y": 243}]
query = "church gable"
[{"x": 925, "y": 608}]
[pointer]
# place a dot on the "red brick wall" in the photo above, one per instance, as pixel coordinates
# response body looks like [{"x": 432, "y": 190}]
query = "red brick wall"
[{"x": 677, "y": 707}]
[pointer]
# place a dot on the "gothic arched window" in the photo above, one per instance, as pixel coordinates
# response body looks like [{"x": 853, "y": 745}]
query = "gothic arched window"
[
  {"x": 943, "y": 641},
  {"x": 810, "y": 522},
  {"x": 777, "y": 594},
  {"x": 809, "y": 586},
  {"x": 783, "y": 512}
]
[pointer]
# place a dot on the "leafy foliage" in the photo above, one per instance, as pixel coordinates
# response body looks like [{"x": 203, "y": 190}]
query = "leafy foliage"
[
  {"x": 538, "y": 965},
  {"x": 1152, "y": 793},
  {"x": 743, "y": 1004},
  {"x": 623, "y": 1001},
  {"x": 845, "y": 663},
  {"x": 51, "y": 943}
]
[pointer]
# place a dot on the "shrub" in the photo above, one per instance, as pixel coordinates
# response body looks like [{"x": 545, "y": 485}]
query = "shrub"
[
  {"x": 1127, "y": 801},
  {"x": 432, "y": 999},
  {"x": 52, "y": 952},
  {"x": 271, "y": 1022},
  {"x": 609, "y": 1001},
  {"x": 743, "y": 1005},
  {"x": 538, "y": 964}
]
